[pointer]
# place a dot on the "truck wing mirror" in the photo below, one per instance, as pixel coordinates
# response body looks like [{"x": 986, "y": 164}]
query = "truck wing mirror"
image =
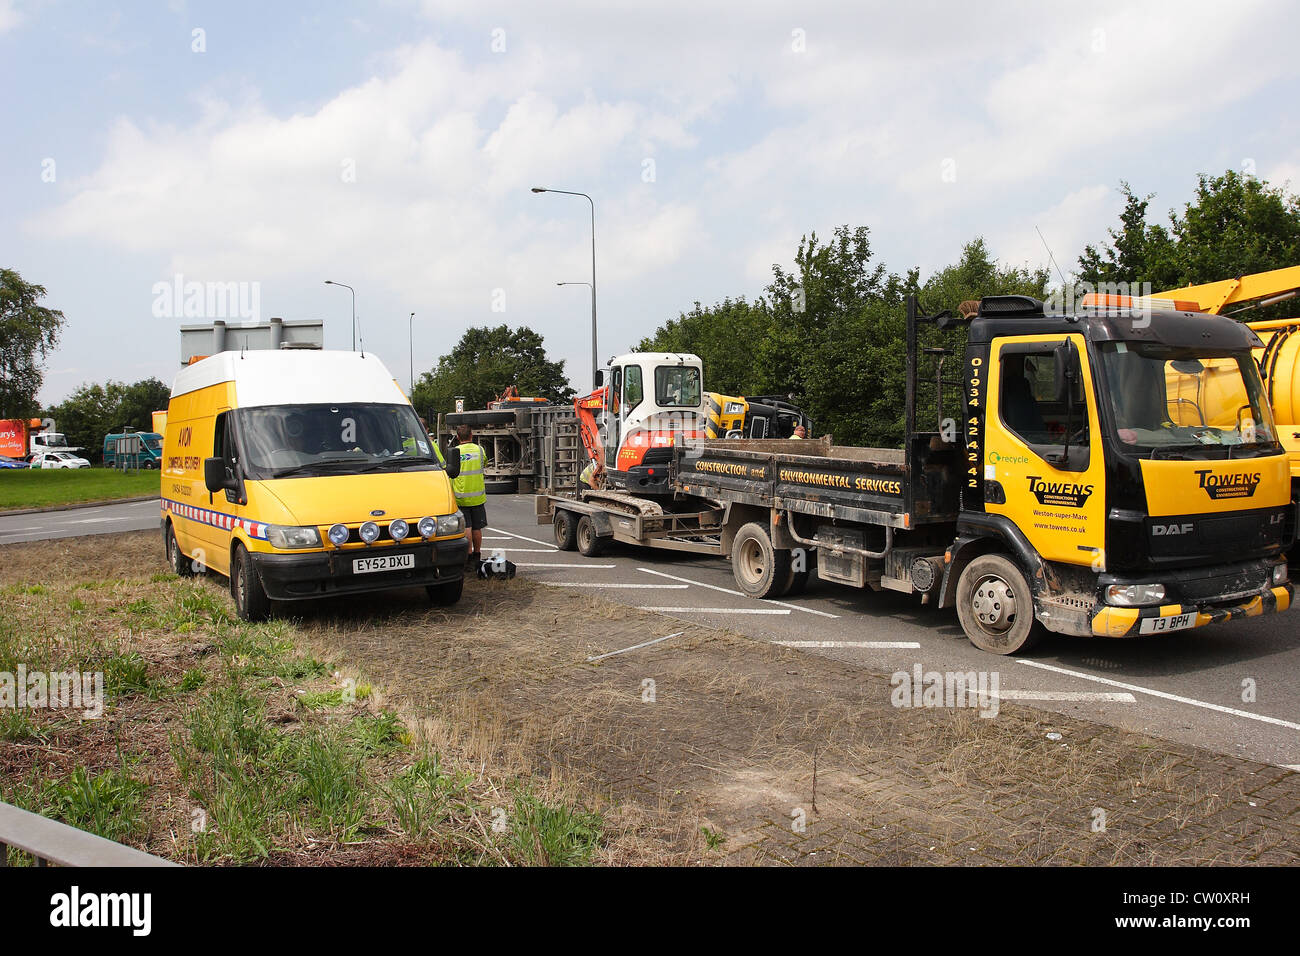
[
  {"x": 600, "y": 378},
  {"x": 214, "y": 474}
]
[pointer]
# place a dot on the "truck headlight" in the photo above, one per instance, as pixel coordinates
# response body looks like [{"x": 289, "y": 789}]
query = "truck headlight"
[
  {"x": 733, "y": 408},
  {"x": 288, "y": 538},
  {"x": 451, "y": 524},
  {"x": 1134, "y": 595},
  {"x": 1279, "y": 573}
]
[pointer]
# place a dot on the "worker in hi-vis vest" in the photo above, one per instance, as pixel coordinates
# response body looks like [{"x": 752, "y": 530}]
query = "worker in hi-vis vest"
[{"x": 471, "y": 492}]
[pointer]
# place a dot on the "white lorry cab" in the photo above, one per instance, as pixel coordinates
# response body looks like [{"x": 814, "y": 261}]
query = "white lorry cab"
[{"x": 301, "y": 474}]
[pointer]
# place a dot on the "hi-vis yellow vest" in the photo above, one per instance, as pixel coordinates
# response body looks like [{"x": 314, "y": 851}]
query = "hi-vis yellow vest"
[{"x": 469, "y": 486}]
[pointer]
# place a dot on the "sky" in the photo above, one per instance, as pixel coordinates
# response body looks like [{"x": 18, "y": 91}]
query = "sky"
[{"x": 391, "y": 145}]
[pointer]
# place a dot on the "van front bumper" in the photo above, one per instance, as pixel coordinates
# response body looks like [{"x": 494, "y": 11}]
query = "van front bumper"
[{"x": 299, "y": 577}]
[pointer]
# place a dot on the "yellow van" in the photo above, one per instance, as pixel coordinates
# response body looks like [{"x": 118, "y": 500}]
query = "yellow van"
[{"x": 302, "y": 474}]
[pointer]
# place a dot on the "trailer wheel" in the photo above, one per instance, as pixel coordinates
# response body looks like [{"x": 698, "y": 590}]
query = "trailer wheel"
[
  {"x": 760, "y": 569},
  {"x": 589, "y": 543},
  {"x": 565, "y": 526},
  {"x": 251, "y": 602},
  {"x": 995, "y": 606},
  {"x": 181, "y": 565}
]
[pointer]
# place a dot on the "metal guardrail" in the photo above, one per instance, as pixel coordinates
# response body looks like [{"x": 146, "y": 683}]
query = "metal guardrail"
[{"x": 52, "y": 842}]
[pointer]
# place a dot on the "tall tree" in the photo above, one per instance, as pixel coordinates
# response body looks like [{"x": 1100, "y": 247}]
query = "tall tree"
[
  {"x": 483, "y": 364},
  {"x": 29, "y": 331},
  {"x": 95, "y": 410},
  {"x": 1235, "y": 225}
]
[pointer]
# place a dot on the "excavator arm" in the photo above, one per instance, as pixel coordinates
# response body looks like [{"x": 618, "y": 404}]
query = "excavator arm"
[
  {"x": 587, "y": 408},
  {"x": 1265, "y": 288}
]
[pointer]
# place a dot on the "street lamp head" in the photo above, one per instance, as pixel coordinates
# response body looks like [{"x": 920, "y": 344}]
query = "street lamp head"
[
  {"x": 329, "y": 281},
  {"x": 538, "y": 189}
]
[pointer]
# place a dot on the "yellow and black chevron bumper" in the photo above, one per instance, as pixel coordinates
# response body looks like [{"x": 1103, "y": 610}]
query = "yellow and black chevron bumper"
[{"x": 1141, "y": 621}]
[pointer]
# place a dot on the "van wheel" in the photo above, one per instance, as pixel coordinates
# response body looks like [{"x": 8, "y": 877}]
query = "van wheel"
[
  {"x": 182, "y": 567},
  {"x": 445, "y": 595},
  {"x": 589, "y": 543},
  {"x": 566, "y": 530},
  {"x": 760, "y": 569},
  {"x": 251, "y": 602},
  {"x": 996, "y": 607}
]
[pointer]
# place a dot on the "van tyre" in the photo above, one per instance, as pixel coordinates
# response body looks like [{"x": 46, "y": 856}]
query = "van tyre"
[
  {"x": 445, "y": 595},
  {"x": 589, "y": 543},
  {"x": 996, "y": 606},
  {"x": 760, "y": 570},
  {"x": 182, "y": 567},
  {"x": 565, "y": 525},
  {"x": 251, "y": 602}
]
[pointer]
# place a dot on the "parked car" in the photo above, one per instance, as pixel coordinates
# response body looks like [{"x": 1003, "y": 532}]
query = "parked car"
[
  {"x": 7, "y": 462},
  {"x": 59, "y": 459}
]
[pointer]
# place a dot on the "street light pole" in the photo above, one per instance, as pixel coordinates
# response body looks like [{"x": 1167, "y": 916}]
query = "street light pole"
[
  {"x": 565, "y": 192},
  {"x": 354, "y": 308},
  {"x": 410, "y": 335}
]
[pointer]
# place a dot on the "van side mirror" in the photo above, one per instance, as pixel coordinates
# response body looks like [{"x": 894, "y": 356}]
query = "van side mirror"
[{"x": 214, "y": 474}]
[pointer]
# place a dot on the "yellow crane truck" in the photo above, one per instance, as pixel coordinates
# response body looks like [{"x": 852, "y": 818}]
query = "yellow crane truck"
[{"x": 1062, "y": 493}]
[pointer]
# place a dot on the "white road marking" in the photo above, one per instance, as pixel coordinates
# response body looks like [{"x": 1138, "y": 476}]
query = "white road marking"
[
  {"x": 1159, "y": 693},
  {"x": 528, "y": 550},
  {"x": 714, "y": 610},
  {"x": 634, "y": 647},
  {"x": 95, "y": 520},
  {"x": 520, "y": 564},
  {"x": 714, "y": 587},
  {"x": 1066, "y": 695},
  {"x": 521, "y": 537},
  {"x": 32, "y": 527},
  {"x": 597, "y": 584},
  {"x": 1290, "y": 766},
  {"x": 872, "y": 644}
]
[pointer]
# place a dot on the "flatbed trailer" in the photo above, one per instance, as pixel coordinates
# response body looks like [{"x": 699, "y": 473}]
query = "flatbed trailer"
[{"x": 1060, "y": 495}]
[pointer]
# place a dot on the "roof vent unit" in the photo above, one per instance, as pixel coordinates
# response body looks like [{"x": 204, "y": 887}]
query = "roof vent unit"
[{"x": 1010, "y": 305}]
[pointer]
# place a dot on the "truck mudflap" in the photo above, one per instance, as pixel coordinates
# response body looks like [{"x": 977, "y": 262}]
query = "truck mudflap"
[{"x": 1110, "y": 621}]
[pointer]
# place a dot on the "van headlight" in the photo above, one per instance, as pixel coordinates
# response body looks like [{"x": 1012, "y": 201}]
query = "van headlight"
[
  {"x": 427, "y": 527},
  {"x": 451, "y": 524},
  {"x": 288, "y": 538},
  {"x": 1134, "y": 595},
  {"x": 398, "y": 529},
  {"x": 369, "y": 532},
  {"x": 339, "y": 535}
]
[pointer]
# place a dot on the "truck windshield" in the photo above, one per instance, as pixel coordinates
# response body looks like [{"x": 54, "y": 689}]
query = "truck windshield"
[
  {"x": 286, "y": 441},
  {"x": 1165, "y": 399}
]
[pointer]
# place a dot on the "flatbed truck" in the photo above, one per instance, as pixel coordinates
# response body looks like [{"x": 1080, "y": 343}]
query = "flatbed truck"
[{"x": 1061, "y": 495}]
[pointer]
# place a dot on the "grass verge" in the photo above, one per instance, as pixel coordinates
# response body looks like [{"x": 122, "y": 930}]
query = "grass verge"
[{"x": 44, "y": 488}]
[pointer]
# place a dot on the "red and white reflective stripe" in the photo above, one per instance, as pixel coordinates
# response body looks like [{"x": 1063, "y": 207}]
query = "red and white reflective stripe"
[{"x": 217, "y": 519}]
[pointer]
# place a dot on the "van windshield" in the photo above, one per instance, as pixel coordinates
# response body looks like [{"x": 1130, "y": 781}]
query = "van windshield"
[{"x": 291, "y": 441}]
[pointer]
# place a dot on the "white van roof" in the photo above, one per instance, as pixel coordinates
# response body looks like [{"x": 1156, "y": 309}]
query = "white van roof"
[{"x": 294, "y": 377}]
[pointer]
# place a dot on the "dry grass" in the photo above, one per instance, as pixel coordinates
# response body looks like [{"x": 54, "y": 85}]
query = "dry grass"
[{"x": 741, "y": 741}]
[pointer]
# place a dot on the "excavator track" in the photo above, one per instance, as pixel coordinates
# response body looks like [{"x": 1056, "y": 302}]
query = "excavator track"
[{"x": 625, "y": 502}]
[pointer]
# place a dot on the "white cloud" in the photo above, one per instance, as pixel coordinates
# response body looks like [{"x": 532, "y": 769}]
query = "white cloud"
[{"x": 9, "y": 16}]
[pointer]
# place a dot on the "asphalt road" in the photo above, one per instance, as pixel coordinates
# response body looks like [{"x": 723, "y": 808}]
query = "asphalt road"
[
  {"x": 1187, "y": 687},
  {"x": 104, "y": 519}
]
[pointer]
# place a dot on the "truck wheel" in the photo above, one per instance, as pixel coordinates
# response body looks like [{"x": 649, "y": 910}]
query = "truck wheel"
[
  {"x": 565, "y": 526},
  {"x": 589, "y": 543},
  {"x": 182, "y": 567},
  {"x": 995, "y": 606},
  {"x": 445, "y": 595},
  {"x": 760, "y": 569},
  {"x": 251, "y": 602}
]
